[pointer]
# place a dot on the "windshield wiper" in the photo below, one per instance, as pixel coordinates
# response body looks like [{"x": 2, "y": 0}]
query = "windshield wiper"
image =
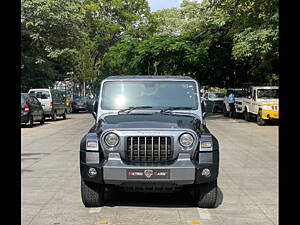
[
  {"x": 129, "y": 109},
  {"x": 174, "y": 108}
]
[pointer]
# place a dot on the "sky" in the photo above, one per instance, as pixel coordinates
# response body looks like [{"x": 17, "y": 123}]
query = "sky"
[{"x": 162, "y": 4}]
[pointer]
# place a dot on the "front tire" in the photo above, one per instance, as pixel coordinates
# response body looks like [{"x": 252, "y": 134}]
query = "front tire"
[
  {"x": 246, "y": 115},
  {"x": 65, "y": 115},
  {"x": 54, "y": 116},
  {"x": 206, "y": 194},
  {"x": 42, "y": 120},
  {"x": 260, "y": 121},
  {"x": 92, "y": 194}
]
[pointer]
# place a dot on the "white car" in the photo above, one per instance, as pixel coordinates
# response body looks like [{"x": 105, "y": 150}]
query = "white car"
[
  {"x": 263, "y": 103},
  {"x": 52, "y": 101}
]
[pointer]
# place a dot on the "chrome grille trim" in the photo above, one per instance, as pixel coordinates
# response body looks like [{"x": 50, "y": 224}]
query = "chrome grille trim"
[{"x": 144, "y": 149}]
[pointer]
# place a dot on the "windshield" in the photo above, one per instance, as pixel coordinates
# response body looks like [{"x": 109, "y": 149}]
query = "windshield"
[
  {"x": 40, "y": 94},
  {"x": 216, "y": 95},
  {"x": 239, "y": 93},
  {"x": 268, "y": 93},
  {"x": 155, "y": 94}
]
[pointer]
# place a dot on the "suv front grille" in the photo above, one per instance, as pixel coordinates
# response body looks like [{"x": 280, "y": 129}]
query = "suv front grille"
[{"x": 156, "y": 149}]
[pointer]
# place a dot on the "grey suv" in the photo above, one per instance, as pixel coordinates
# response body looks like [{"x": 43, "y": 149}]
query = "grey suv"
[{"x": 149, "y": 136}]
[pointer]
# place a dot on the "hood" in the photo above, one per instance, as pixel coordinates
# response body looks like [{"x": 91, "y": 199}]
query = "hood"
[{"x": 155, "y": 120}]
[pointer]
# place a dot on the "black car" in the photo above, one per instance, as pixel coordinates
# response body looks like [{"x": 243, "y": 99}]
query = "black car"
[
  {"x": 149, "y": 135},
  {"x": 79, "y": 103},
  {"x": 31, "y": 110}
]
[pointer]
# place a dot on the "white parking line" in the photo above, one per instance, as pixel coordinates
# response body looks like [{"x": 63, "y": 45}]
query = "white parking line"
[
  {"x": 96, "y": 210},
  {"x": 204, "y": 214}
]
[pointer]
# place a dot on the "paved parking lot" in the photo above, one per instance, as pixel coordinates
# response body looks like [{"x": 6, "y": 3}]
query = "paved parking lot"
[{"x": 50, "y": 180}]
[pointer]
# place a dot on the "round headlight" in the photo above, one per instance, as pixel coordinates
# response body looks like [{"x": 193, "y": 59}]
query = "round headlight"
[
  {"x": 186, "y": 140},
  {"x": 111, "y": 139}
]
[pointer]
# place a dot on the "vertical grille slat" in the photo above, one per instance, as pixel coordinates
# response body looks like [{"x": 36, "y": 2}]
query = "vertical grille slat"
[
  {"x": 131, "y": 147},
  {"x": 138, "y": 147},
  {"x": 149, "y": 148},
  {"x": 166, "y": 148},
  {"x": 152, "y": 147},
  {"x": 158, "y": 148},
  {"x": 146, "y": 148}
]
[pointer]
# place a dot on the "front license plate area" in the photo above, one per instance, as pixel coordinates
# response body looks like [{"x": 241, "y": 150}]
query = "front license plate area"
[{"x": 149, "y": 174}]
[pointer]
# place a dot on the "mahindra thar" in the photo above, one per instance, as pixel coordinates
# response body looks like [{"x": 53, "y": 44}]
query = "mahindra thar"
[{"x": 149, "y": 135}]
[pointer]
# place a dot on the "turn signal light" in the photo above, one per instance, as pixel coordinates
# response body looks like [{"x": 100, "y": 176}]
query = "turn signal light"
[
  {"x": 206, "y": 144},
  {"x": 91, "y": 144}
]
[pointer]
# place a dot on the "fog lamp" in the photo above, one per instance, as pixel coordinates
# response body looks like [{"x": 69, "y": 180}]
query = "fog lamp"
[
  {"x": 205, "y": 172},
  {"x": 92, "y": 172}
]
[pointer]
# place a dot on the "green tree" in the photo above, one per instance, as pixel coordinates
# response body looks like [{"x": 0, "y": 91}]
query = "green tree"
[{"x": 50, "y": 37}]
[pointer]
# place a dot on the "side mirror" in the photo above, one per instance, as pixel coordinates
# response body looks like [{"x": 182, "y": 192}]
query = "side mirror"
[
  {"x": 203, "y": 124},
  {"x": 92, "y": 108},
  {"x": 94, "y": 115}
]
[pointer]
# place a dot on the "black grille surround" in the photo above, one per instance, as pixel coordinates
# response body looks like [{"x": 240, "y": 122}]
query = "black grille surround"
[{"x": 157, "y": 149}]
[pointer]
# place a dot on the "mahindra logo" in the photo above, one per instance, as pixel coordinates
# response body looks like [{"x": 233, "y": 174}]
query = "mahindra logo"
[{"x": 148, "y": 173}]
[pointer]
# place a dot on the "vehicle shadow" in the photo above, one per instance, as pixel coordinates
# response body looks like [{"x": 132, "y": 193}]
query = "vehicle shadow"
[
  {"x": 216, "y": 116},
  {"x": 35, "y": 124},
  {"x": 25, "y": 170},
  {"x": 31, "y": 156},
  {"x": 79, "y": 112},
  {"x": 182, "y": 199},
  {"x": 239, "y": 118},
  {"x": 58, "y": 119}
]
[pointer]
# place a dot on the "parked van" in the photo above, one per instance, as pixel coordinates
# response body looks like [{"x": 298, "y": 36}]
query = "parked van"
[{"x": 53, "y": 102}]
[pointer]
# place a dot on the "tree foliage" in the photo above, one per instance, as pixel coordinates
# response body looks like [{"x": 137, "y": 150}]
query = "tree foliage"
[{"x": 219, "y": 42}]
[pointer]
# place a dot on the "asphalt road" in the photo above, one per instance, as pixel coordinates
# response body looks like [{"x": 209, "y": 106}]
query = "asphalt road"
[{"x": 50, "y": 180}]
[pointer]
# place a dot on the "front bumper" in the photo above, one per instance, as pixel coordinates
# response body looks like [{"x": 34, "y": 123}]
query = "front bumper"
[
  {"x": 270, "y": 115},
  {"x": 183, "y": 171}
]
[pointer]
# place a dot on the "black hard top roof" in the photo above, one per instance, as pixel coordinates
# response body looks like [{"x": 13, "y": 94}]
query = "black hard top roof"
[{"x": 148, "y": 77}]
